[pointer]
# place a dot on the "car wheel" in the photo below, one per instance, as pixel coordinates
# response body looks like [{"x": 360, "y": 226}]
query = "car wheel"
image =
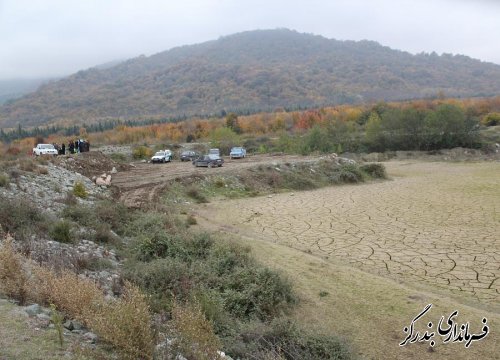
[{"x": 210, "y": 165}]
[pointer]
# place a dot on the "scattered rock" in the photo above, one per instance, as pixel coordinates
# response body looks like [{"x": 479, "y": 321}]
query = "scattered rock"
[
  {"x": 113, "y": 170},
  {"x": 33, "y": 310},
  {"x": 68, "y": 325},
  {"x": 90, "y": 337}
]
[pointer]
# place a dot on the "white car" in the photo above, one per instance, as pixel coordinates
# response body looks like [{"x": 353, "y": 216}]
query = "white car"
[
  {"x": 238, "y": 153},
  {"x": 44, "y": 149},
  {"x": 162, "y": 156}
]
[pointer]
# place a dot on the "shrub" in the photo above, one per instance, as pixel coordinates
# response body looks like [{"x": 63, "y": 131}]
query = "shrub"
[
  {"x": 4, "y": 180},
  {"x": 164, "y": 279},
  {"x": 126, "y": 324},
  {"x": 104, "y": 235},
  {"x": 13, "y": 277},
  {"x": 118, "y": 157},
  {"x": 79, "y": 190},
  {"x": 195, "y": 335},
  {"x": 347, "y": 173},
  {"x": 21, "y": 218},
  {"x": 79, "y": 213},
  {"x": 194, "y": 193},
  {"x": 257, "y": 292},
  {"x": 69, "y": 293},
  {"x": 115, "y": 214},
  {"x": 283, "y": 339},
  {"x": 191, "y": 220},
  {"x": 61, "y": 232},
  {"x": 491, "y": 119},
  {"x": 142, "y": 152},
  {"x": 374, "y": 170},
  {"x": 298, "y": 181}
]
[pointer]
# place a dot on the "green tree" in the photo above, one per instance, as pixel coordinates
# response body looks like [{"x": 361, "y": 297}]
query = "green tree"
[
  {"x": 224, "y": 138},
  {"x": 374, "y": 132},
  {"x": 232, "y": 123}
]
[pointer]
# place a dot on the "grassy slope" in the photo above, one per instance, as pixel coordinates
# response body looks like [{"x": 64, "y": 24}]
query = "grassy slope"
[{"x": 18, "y": 340}]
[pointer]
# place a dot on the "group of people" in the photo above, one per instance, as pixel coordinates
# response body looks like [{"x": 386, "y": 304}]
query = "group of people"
[{"x": 74, "y": 147}]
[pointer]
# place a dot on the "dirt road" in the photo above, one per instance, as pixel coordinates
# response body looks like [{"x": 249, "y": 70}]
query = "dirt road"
[{"x": 143, "y": 182}]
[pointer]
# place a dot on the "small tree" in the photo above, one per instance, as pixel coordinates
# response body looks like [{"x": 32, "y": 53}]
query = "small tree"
[{"x": 232, "y": 123}]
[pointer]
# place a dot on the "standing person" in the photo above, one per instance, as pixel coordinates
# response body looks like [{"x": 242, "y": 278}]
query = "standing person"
[
  {"x": 71, "y": 147},
  {"x": 63, "y": 149},
  {"x": 76, "y": 146}
]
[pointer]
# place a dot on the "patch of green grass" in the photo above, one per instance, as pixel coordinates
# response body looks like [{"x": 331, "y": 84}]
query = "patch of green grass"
[{"x": 20, "y": 341}]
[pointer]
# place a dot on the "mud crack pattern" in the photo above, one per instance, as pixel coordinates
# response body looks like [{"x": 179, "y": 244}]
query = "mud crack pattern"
[{"x": 436, "y": 223}]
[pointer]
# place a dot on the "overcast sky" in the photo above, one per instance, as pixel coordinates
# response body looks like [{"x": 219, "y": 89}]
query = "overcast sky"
[{"x": 40, "y": 38}]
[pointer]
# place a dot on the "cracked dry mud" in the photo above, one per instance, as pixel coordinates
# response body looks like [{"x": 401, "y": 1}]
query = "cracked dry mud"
[{"x": 433, "y": 223}]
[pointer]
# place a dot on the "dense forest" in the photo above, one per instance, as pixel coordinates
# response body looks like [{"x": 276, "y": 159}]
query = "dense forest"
[
  {"x": 408, "y": 125},
  {"x": 247, "y": 73}
]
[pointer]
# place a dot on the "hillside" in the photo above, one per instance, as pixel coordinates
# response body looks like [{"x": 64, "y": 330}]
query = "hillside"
[
  {"x": 16, "y": 88},
  {"x": 256, "y": 70}
]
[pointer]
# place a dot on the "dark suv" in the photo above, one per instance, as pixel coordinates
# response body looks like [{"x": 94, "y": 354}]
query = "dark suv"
[{"x": 189, "y": 155}]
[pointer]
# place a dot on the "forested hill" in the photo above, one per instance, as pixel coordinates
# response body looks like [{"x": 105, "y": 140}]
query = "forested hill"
[{"x": 250, "y": 71}]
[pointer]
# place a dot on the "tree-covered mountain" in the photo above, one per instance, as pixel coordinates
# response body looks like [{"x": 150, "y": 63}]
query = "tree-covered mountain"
[
  {"x": 15, "y": 88},
  {"x": 251, "y": 71}
]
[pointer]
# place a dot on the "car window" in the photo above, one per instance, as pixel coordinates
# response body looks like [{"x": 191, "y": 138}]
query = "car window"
[{"x": 159, "y": 153}]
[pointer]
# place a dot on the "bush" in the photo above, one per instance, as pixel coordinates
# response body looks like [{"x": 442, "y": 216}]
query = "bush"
[
  {"x": 191, "y": 220},
  {"x": 4, "y": 180},
  {"x": 491, "y": 119},
  {"x": 21, "y": 218},
  {"x": 163, "y": 279},
  {"x": 346, "y": 174},
  {"x": 118, "y": 157},
  {"x": 79, "y": 190},
  {"x": 126, "y": 324},
  {"x": 115, "y": 214},
  {"x": 194, "y": 193},
  {"x": 13, "y": 278},
  {"x": 257, "y": 292},
  {"x": 283, "y": 339},
  {"x": 79, "y": 213},
  {"x": 195, "y": 336},
  {"x": 142, "y": 152},
  {"x": 104, "y": 235},
  {"x": 61, "y": 232},
  {"x": 374, "y": 170}
]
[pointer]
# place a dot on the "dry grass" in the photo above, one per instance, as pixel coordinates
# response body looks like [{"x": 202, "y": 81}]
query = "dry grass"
[
  {"x": 13, "y": 277},
  {"x": 124, "y": 323},
  {"x": 196, "y": 338}
]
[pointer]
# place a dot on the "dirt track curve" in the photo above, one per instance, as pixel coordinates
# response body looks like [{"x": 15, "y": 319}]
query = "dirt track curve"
[{"x": 146, "y": 180}]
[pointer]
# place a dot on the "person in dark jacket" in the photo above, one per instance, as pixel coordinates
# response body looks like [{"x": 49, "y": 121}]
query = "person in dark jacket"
[
  {"x": 71, "y": 147},
  {"x": 63, "y": 149}
]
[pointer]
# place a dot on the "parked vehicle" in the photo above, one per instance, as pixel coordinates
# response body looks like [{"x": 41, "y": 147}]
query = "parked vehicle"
[
  {"x": 162, "y": 156},
  {"x": 214, "y": 153},
  {"x": 238, "y": 153},
  {"x": 189, "y": 155},
  {"x": 44, "y": 149},
  {"x": 208, "y": 161}
]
